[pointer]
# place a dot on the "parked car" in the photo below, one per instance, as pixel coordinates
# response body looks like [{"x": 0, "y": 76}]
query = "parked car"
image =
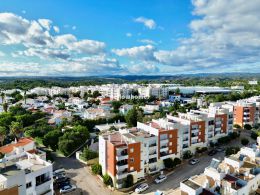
[
  {"x": 57, "y": 171},
  {"x": 194, "y": 161},
  {"x": 160, "y": 178},
  {"x": 61, "y": 179},
  {"x": 212, "y": 152},
  {"x": 220, "y": 149},
  {"x": 67, "y": 188},
  {"x": 62, "y": 184},
  {"x": 141, "y": 188},
  {"x": 59, "y": 176}
]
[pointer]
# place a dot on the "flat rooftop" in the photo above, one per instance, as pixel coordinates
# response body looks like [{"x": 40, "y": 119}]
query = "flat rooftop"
[{"x": 191, "y": 184}]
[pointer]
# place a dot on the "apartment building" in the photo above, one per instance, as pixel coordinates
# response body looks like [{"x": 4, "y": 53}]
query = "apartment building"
[
  {"x": 238, "y": 174},
  {"x": 192, "y": 131},
  {"x": 155, "y": 91},
  {"x": 25, "y": 173},
  {"x": 246, "y": 112},
  {"x": 138, "y": 151}
]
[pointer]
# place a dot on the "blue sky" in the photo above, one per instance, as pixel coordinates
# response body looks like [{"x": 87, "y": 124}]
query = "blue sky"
[{"x": 86, "y": 37}]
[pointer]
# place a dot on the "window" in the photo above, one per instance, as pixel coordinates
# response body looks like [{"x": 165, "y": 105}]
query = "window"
[
  {"x": 28, "y": 185},
  {"x": 132, "y": 168},
  {"x": 170, "y": 135},
  {"x": 131, "y": 159},
  {"x": 170, "y": 151},
  {"x": 170, "y": 143},
  {"x": 131, "y": 150}
]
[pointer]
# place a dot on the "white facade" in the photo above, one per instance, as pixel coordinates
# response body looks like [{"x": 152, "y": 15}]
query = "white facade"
[{"x": 31, "y": 174}]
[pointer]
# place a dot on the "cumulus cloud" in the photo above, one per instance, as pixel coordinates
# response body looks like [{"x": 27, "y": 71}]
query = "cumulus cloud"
[
  {"x": 2, "y": 54},
  {"x": 45, "y": 23},
  {"x": 56, "y": 29},
  {"x": 145, "y": 53},
  {"x": 143, "y": 68},
  {"x": 149, "y": 23},
  {"x": 36, "y": 34},
  {"x": 226, "y": 33}
]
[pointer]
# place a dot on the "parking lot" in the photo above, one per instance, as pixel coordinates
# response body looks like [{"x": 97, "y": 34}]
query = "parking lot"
[{"x": 86, "y": 183}]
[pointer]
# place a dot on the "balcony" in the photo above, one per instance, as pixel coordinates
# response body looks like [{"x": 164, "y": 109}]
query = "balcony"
[
  {"x": 153, "y": 155},
  {"x": 122, "y": 174},
  {"x": 186, "y": 132},
  {"x": 121, "y": 165},
  {"x": 164, "y": 141},
  {"x": 164, "y": 148},
  {"x": 122, "y": 155},
  {"x": 152, "y": 160},
  {"x": 218, "y": 123},
  {"x": 152, "y": 145}
]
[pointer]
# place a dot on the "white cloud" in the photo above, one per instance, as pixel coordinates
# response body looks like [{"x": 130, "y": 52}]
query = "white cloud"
[
  {"x": 24, "y": 11},
  {"x": 2, "y": 54},
  {"x": 147, "y": 41},
  {"x": 82, "y": 46},
  {"x": 74, "y": 28},
  {"x": 143, "y": 68},
  {"x": 149, "y": 23},
  {"x": 45, "y": 23},
  {"x": 141, "y": 53},
  {"x": 129, "y": 34},
  {"x": 56, "y": 29},
  {"x": 226, "y": 33}
]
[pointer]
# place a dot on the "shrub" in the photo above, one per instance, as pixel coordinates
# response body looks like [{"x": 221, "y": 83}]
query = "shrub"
[
  {"x": 201, "y": 149},
  {"x": 129, "y": 181},
  {"x": 88, "y": 154},
  {"x": 247, "y": 127},
  {"x": 187, "y": 154},
  {"x": 237, "y": 126},
  {"x": 224, "y": 140},
  {"x": 244, "y": 141},
  {"x": 233, "y": 135},
  {"x": 176, "y": 162},
  {"x": 107, "y": 180},
  {"x": 254, "y": 135},
  {"x": 231, "y": 150},
  {"x": 168, "y": 163},
  {"x": 96, "y": 169}
]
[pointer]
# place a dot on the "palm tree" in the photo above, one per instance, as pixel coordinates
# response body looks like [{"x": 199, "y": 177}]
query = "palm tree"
[
  {"x": 16, "y": 129},
  {"x": 3, "y": 133},
  {"x": 3, "y": 97},
  {"x": 5, "y": 106}
]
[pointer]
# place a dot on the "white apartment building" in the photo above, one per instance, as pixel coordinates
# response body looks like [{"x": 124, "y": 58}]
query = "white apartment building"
[
  {"x": 155, "y": 91},
  {"x": 24, "y": 169},
  {"x": 25, "y": 173},
  {"x": 238, "y": 174}
]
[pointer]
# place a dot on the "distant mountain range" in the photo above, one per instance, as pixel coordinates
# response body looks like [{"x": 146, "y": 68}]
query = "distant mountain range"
[{"x": 141, "y": 77}]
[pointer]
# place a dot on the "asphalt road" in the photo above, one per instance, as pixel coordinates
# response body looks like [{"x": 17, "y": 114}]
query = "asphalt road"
[{"x": 183, "y": 172}]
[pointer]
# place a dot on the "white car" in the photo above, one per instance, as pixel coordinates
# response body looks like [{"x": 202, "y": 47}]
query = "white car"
[
  {"x": 67, "y": 188},
  {"x": 194, "y": 161},
  {"x": 58, "y": 171},
  {"x": 160, "y": 178},
  {"x": 141, "y": 188}
]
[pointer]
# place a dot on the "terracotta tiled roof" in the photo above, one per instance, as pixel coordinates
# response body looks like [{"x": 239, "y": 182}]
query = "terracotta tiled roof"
[{"x": 10, "y": 147}]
